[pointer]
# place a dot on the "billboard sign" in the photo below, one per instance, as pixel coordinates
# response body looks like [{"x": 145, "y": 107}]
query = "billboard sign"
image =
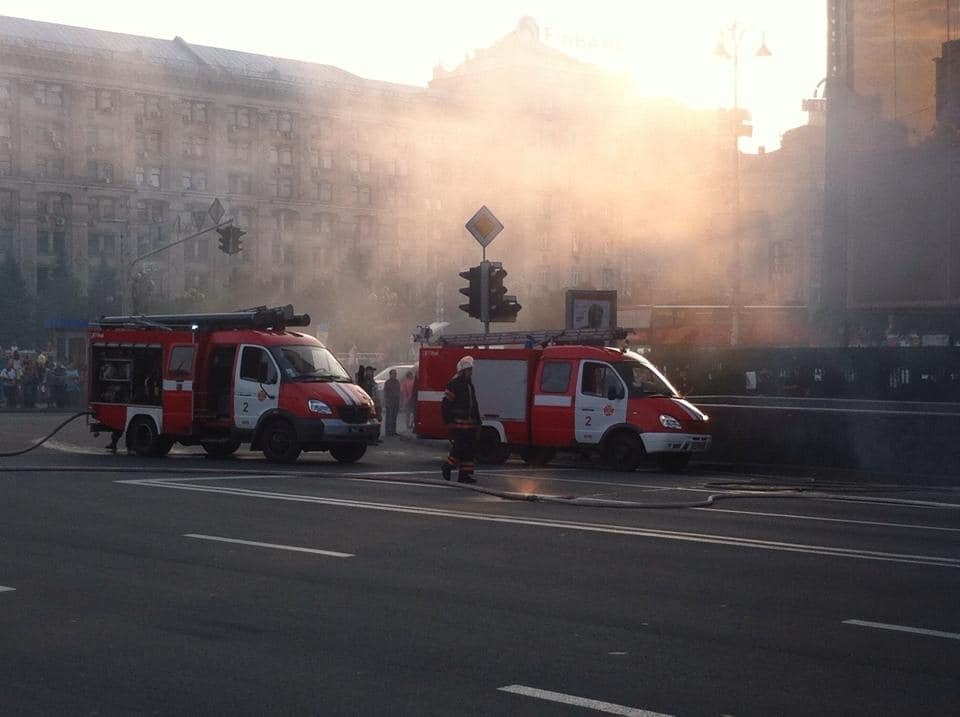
[{"x": 588, "y": 309}]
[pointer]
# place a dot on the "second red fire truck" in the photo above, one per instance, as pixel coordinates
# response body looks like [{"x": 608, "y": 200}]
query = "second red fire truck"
[
  {"x": 572, "y": 393},
  {"x": 221, "y": 380}
]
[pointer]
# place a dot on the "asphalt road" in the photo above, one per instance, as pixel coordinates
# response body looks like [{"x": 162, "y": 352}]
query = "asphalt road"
[{"x": 190, "y": 586}]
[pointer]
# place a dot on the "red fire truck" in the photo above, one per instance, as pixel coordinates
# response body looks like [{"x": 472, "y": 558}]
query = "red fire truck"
[
  {"x": 220, "y": 380},
  {"x": 568, "y": 392}
]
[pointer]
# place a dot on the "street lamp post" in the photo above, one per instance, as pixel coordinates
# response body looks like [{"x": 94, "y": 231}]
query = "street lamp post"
[{"x": 732, "y": 38}]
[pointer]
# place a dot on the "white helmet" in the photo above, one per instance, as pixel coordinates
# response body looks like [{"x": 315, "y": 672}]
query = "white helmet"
[{"x": 465, "y": 362}]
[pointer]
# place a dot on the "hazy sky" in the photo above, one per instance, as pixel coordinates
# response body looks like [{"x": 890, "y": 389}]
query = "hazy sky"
[{"x": 665, "y": 46}]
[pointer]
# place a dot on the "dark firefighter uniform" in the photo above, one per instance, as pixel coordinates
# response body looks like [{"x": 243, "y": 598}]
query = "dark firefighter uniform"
[{"x": 462, "y": 416}]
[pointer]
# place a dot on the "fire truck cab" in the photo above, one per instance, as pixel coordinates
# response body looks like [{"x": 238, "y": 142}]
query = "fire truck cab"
[
  {"x": 221, "y": 380},
  {"x": 577, "y": 396}
]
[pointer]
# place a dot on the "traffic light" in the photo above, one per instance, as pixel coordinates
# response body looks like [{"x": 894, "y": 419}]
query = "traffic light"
[
  {"x": 472, "y": 292},
  {"x": 503, "y": 308},
  {"x": 230, "y": 239}
]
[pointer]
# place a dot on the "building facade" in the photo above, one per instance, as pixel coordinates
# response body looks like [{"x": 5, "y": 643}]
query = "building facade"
[{"x": 113, "y": 146}]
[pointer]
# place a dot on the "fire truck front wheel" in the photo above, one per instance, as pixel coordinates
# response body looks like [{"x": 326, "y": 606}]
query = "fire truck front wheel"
[
  {"x": 144, "y": 440},
  {"x": 623, "y": 451},
  {"x": 279, "y": 442},
  {"x": 348, "y": 452}
]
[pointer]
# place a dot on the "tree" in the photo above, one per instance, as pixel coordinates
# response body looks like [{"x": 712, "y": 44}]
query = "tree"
[{"x": 17, "y": 309}]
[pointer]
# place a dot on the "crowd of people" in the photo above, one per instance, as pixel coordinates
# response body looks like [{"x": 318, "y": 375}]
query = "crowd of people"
[
  {"x": 395, "y": 401},
  {"x": 32, "y": 379}
]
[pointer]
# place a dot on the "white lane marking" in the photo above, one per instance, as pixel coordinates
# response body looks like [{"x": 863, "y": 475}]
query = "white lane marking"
[
  {"x": 794, "y": 516},
  {"x": 903, "y": 628},
  {"x": 4, "y": 589},
  {"x": 826, "y": 550},
  {"x": 589, "y": 704},
  {"x": 314, "y": 551}
]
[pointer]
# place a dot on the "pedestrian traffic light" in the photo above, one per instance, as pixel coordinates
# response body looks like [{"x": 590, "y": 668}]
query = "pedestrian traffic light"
[
  {"x": 503, "y": 308},
  {"x": 472, "y": 292},
  {"x": 230, "y": 239}
]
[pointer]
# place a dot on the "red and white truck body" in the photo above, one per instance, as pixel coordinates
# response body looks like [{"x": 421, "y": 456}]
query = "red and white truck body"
[
  {"x": 220, "y": 380},
  {"x": 566, "y": 397}
]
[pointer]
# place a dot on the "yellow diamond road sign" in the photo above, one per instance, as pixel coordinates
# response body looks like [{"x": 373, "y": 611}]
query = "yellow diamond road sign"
[{"x": 484, "y": 226}]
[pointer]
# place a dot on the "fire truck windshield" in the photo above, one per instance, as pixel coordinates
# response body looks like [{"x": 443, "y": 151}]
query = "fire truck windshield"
[
  {"x": 309, "y": 363},
  {"x": 643, "y": 379}
]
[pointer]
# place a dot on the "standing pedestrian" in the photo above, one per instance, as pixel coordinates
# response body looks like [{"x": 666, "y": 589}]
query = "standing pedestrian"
[
  {"x": 462, "y": 416},
  {"x": 8, "y": 379},
  {"x": 392, "y": 396},
  {"x": 406, "y": 389},
  {"x": 370, "y": 386}
]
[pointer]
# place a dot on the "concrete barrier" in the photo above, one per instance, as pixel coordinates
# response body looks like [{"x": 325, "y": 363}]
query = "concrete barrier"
[{"x": 925, "y": 445}]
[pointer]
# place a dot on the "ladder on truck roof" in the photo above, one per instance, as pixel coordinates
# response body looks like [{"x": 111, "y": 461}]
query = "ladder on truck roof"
[
  {"x": 586, "y": 337},
  {"x": 260, "y": 317}
]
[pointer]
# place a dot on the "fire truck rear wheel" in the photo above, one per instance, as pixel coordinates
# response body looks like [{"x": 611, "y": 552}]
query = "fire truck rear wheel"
[
  {"x": 348, "y": 452},
  {"x": 144, "y": 440},
  {"x": 623, "y": 451},
  {"x": 490, "y": 450},
  {"x": 219, "y": 449},
  {"x": 537, "y": 456},
  {"x": 279, "y": 442}
]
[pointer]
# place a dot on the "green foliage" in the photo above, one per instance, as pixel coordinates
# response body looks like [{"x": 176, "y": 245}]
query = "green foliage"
[{"x": 17, "y": 314}]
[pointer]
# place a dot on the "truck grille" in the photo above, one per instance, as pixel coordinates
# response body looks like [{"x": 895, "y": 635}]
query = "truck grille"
[{"x": 355, "y": 414}]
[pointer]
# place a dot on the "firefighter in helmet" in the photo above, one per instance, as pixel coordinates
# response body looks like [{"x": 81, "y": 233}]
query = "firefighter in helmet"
[{"x": 462, "y": 416}]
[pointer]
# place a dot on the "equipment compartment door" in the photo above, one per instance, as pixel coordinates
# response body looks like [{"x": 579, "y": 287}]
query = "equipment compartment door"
[
  {"x": 257, "y": 386},
  {"x": 178, "y": 390}
]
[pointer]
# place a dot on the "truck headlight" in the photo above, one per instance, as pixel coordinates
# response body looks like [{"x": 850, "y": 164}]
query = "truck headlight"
[
  {"x": 320, "y": 407},
  {"x": 669, "y": 422}
]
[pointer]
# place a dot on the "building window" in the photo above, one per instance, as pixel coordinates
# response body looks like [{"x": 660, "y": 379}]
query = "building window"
[
  {"x": 6, "y": 91},
  {"x": 283, "y": 187},
  {"x": 325, "y": 192},
  {"x": 325, "y": 129},
  {"x": 50, "y": 167},
  {"x": 194, "y": 112},
  {"x": 101, "y": 245},
  {"x": 50, "y": 135},
  {"x": 363, "y": 194},
  {"x": 139, "y": 176},
  {"x": 8, "y": 206},
  {"x": 239, "y": 183},
  {"x": 147, "y": 144},
  {"x": 240, "y": 151},
  {"x": 281, "y": 155},
  {"x": 778, "y": 259},
  {"x": 281, "y": 121},
  {"x": 4, "y": 129},
  {"x": 103, "y": 209},
  {"x": 100, "y": 138},
  {"x": 400, "y": 167},
  {"x": 194, "y": 181},
  {"x": 150, "y": 211},
  {"x": 101, "y": 100},
  {"x": 364, "y": 163},
  {"x": 100, "y": 171},
  {"x": 48, "y": 93},
  {"x": 242, "y": 117},
  {"x": 153, "y": 178},
  {"x": 148, "y": 106},
  {"x": 6, "y": 167},
  {"x": 195, "y": 147}
]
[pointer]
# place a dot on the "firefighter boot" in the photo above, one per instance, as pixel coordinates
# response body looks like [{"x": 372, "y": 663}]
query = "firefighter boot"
[
  {"x": 465, "y": 474},
  {"x": 445, "y": 471}
]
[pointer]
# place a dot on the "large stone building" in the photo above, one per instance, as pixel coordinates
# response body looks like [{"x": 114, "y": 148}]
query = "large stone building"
[
  {"x": 890, "y": 261},
  {"x": 112, "y": 146}
]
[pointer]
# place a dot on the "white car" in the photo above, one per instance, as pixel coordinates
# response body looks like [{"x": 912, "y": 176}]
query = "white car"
[{"x": 401, "y": 368}]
